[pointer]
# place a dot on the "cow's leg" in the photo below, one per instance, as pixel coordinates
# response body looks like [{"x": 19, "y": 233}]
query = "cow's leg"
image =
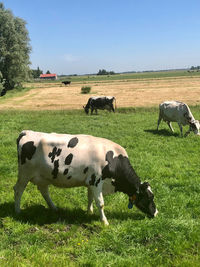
[
  {"x": 109, "y": 108},
  {"x": 181, "y": 128},
  {"x": 96, "y": 111},
  {"x": 188, "y": 132},
  {"x": 45, "y": 193},
  {"x": 159, "y": 120},
  {"x": 98, "y": 196},
  {"x": 91, "y": 111},
  {"x": 90, "y": 200},
  {"x": 112, "y": 108},
  {"x": 18, "y": 191},
  {"x": 170, "y": 126}
]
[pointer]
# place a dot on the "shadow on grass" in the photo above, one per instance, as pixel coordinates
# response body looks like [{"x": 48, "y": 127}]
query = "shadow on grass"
[
  {"x": 135, "y": 215},
  {"x": 163, "y": 132},
  {"x": 38, "y": 214}
]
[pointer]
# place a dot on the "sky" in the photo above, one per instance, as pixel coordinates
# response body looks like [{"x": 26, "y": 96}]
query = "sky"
[{"x": 83, "y": 36}]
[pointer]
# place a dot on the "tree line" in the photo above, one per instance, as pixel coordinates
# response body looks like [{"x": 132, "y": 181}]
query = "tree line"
[
  {"x": 104, "y": 72},
  {"x": 36, "y": 73},
  {"x": 195, "y": 68}
]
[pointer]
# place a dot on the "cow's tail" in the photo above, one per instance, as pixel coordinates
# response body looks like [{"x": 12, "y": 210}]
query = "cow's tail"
[
  {"x": 23, "y": 133},
  {"x": 115, "y": 106}
]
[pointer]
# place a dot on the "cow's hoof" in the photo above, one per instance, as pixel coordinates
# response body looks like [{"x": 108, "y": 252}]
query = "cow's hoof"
[
  {"x": 105, "y": 223},
  {"x": 90, "y": 212}
]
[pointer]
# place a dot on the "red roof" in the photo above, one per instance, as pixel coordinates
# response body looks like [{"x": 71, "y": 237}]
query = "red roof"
[{"x": 47, "y": 75}]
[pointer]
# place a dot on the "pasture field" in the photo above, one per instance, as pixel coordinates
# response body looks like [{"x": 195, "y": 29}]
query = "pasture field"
[{"x": 70, "y": 237}]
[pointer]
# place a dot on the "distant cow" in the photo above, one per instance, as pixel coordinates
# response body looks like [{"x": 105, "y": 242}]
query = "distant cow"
[
  {"x": 66, "y": 82},
  {"x": 100, "y": 102},
  {"x": 180, "y": 113},
  {"x": 65, "y": 160}
]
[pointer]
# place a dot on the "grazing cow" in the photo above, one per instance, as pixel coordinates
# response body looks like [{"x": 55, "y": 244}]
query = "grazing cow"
[
  {"x": 66, "y": 160},
  {"x": 180, "y": 113},
  {"x": 100, "y": 102},
  {"x": 66, "y": 82}
]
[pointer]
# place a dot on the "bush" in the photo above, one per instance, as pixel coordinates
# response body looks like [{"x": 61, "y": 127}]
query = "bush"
[{"x": 85, "y": 89}]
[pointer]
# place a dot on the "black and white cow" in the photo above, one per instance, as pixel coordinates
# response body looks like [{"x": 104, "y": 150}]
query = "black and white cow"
[
  {"x": 100, "y": 102},
  {"x": 179, "y": 112},
  {"x": 66, "y": 160}
]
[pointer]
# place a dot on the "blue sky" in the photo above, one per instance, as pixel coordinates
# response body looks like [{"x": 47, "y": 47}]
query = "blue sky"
[{"x": 79, "y": 37}]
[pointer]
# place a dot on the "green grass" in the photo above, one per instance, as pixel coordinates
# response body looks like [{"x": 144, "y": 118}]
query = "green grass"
[{"x": 70, "y": 237}]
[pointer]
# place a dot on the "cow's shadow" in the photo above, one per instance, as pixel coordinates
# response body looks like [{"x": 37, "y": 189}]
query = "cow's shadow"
[
  {"x": 40, "y": 215},
  {"x": 163, "y": 132}
]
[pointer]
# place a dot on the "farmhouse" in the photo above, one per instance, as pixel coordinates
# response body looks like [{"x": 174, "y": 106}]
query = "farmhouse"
[{"x": 48, "y": 76}]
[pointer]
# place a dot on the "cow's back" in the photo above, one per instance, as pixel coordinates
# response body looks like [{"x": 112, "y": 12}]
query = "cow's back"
[
  {"x": 62, "y": 159},
  {"x": 175, "y": 111}
]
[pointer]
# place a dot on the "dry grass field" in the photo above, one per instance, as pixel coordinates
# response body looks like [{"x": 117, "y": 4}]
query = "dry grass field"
[{"x": 128, "y": 92}]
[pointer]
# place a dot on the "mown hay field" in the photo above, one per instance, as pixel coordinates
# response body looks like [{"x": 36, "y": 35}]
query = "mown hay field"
[{"x": 129, "y": 92}]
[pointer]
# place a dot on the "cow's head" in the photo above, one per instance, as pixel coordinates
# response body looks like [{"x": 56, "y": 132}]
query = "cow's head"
[
  {"x": 86, "y": 109},
  {"x": 195, "y": 126},
  {"x": 143, "y": 200}
]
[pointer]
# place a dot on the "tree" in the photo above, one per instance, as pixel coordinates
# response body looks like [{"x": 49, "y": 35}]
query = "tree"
[
  {"x": 2, "y": 81},
  {"x": 48, "y": 72},
  {"x": 36, "y": 73},
  {"x": 14, "y": 49},
  {"x": 104, "y": 72}
]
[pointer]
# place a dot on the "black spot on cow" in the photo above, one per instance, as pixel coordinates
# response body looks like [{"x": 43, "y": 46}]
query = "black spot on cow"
[
  {"x": 28, "y": 150},
  {"x": 65, "y": 172},
  {"x": 120, "y": 169},
  {"x": 69, "y": 177},
  {"x": 73, "y": 142},
  {"x": 55, "y": 170},
  {"x": 85, "y": 170},
  {"x": 68, "y": 159},
  {"x": 92, "y": 181},
  {"x": 97, "y": 182},
  {"x": 55, "y": 152}
]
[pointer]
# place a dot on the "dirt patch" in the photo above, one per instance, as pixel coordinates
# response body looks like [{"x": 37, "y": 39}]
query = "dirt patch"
[{"x": 129, "y": 93}]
